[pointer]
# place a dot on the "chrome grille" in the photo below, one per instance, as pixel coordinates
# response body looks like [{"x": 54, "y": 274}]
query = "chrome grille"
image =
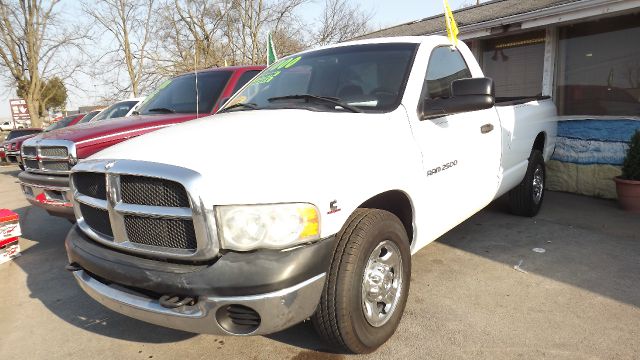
[
  {"x": 31, "y": 164},
  {"x": 91, "y": 184},
  {"x": 29, "y": 151},
  {"x": 170, "y": 233},
  {"x": 98, "y": 219},
  {"x": 149, "y": 209},
  {"x": 49, "y": 156},
  {"x": 153, "y": 192},
  {"x": 55, "y": 166},
  {"x": 58, "y": 151}
]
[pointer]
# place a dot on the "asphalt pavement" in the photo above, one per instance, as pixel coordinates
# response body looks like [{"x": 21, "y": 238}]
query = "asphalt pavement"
[{"x": 479, "y": 292}]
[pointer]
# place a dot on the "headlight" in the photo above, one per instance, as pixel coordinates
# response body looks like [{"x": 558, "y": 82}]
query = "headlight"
[{"x": 277, "y": 226}]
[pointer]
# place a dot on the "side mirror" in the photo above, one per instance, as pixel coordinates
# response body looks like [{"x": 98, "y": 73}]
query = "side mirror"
[{"x": 466, "y": 95}]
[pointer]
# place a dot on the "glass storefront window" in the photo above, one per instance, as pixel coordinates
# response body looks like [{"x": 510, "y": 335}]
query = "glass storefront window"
[
  {"x": 515, "y": 63},
  {"x": 598, "y": 69}
]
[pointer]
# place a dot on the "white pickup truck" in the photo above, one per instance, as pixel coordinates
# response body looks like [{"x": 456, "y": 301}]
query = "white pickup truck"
[{"x": 307, "y": 194}]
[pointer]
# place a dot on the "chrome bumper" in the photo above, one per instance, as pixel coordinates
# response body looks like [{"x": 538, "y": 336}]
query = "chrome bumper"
[
  {"x": 13, "y": 157},
  {"x": 278, "y": 310},
  {"x": 51, "y": 198}
]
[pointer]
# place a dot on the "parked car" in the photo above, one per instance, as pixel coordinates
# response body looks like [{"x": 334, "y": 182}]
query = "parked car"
[
  {"x": 8, "y": 126},
  {"x": 16, "y": 144},
  {"x": 49, "y": 158},
  {"x": 307, "y": 194},
  {"x": 66, "y": 121},
  {"x": 90, "y": 115},
  {"x": 11, "y": 145},
  {"x": 119, "y": 109}
]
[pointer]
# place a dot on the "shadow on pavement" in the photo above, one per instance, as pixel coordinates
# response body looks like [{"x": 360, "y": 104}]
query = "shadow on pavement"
[
  {"x": 589, "y": 243},
  {"x": 50, "y": 283},
  {"x": 304, "y": 336}
]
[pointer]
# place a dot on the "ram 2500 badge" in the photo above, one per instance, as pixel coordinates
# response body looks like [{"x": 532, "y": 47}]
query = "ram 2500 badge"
[
  {"x": 308, "y": 193},
  {"x": 48, "y": 158}
]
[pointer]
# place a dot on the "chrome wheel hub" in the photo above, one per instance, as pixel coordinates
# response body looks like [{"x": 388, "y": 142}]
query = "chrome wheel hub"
[
  {"x": 382, "y": 283},
  {"x": 538, "y": 184}
]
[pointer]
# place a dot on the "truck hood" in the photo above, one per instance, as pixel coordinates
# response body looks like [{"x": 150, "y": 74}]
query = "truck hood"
[
  {"x": 92, "y": 133},
  {"x": 19, "y": 140},
  {"x": 263, "y": 156}
]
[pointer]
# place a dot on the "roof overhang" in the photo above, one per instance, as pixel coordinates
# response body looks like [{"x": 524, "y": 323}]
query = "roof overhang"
[{"x": 565, "y": 13}]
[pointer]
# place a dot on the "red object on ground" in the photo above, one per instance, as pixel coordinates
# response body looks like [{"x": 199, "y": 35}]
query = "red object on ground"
[{"x": 9, "y": 227}]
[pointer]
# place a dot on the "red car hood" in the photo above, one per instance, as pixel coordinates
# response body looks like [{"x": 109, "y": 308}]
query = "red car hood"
[
  {"x": 93, "y": 133},
  {"x": 19, "y": 140}
]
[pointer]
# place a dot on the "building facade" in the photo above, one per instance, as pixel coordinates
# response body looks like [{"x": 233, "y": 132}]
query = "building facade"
[{"x": 585, "y": 54}]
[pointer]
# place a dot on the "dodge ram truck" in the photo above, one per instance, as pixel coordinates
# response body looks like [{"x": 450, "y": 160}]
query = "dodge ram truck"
[
  {"x": 308, "y": 193},
  {"x": 48, "y": 158}
]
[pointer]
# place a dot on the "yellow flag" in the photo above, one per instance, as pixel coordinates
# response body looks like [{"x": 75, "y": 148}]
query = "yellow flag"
[{"x": 452, "y": 27}]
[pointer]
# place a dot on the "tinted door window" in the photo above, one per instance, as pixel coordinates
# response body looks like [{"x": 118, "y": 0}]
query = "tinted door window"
[{"x": 445, "y": 65}]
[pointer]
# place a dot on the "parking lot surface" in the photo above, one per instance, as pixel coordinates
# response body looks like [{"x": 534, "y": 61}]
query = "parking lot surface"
[{"x": 579, "y": 299}]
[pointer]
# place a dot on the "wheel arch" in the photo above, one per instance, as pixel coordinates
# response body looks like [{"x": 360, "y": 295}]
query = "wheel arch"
[
  {"x": 540, "y": 141},
  {"x": 398, "y": 203}
]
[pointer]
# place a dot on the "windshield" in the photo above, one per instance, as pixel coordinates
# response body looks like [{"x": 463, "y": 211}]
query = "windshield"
[
  {"x": 88, "y": 117},
  {"x": 64, "y": 122},
  {"x": 17, "y": 133},
  {"x": 368, "y": 77},
  {"x": 116, "y": 110},
  {"x": 178, "y": 95}
]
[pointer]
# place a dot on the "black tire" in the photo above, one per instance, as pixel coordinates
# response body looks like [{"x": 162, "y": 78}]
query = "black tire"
[
  {"x": 340, "y": 317},
  {"x": 523, "y": 199}
]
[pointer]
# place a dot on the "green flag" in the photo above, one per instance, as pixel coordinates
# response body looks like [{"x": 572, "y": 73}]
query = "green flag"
[{"x": 271, "y": 51}]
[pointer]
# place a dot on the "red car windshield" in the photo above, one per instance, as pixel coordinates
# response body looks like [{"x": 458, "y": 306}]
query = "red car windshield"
[
  {"x": 178, "y": 95},
  {"x": 22, "y": 132}
]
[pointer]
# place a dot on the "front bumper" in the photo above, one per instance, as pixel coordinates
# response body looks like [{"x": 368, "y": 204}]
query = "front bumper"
[
  {"x": 282, "y": 287},
  {"x": 49, "y": 192},
  {"x": 13, "y": 157}
]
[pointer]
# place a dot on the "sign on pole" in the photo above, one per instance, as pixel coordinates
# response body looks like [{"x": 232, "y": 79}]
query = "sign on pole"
[{"x": 19, "y": 111}]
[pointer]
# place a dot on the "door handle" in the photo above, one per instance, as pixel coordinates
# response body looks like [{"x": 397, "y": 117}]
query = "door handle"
[{"x": 486, "y": 128}]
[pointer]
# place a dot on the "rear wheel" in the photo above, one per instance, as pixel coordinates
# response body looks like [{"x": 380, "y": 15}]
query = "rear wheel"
[
  {"x": 368, "y": 282},
  {"x": 526, "y": 199}
]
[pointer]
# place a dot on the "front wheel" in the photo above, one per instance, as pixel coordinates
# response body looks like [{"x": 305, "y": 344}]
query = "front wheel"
[
  {"x": 367, "y": 284},
  {"x": 526, "y": 198}
]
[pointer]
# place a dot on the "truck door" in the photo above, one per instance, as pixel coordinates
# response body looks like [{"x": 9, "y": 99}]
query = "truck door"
[{"x": 461, "y": 153}]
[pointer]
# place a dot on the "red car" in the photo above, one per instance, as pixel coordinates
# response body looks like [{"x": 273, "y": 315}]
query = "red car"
[
  {"x": 10, "y": 147},
  {"x": 13, "y": 147},
  {"x": 48, "y": 158}
]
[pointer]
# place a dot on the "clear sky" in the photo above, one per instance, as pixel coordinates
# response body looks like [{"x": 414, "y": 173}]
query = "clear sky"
[{"x": 386, "y": 13}]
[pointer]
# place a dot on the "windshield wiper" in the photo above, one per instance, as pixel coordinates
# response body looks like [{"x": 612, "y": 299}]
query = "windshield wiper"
[
  {"x": 162, "y": 109},
  {"x": 326, "y": 99},
  {"x": 251, "y": 106}
]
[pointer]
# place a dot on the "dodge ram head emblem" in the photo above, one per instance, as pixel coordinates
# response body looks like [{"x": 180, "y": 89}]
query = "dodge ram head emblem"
[{"x": 109, "y": 165}]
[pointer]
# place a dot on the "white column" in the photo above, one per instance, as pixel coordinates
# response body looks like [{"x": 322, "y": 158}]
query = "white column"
[{"x": 550, "y": 53}]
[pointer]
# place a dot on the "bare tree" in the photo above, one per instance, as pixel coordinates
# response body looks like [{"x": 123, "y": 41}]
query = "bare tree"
[
  {"x": 31, "y": 41},
  {"x": 341, "y": 21},
  {"x": 191, "y": 35},
  {"x": 130, "y": 24},
  {"x": 248, "y": 21}
]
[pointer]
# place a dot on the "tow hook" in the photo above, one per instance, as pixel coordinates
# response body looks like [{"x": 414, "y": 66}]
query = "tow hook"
[
  {"x": 175, "y": 301},
  {"x": 73, "y": 267}
]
